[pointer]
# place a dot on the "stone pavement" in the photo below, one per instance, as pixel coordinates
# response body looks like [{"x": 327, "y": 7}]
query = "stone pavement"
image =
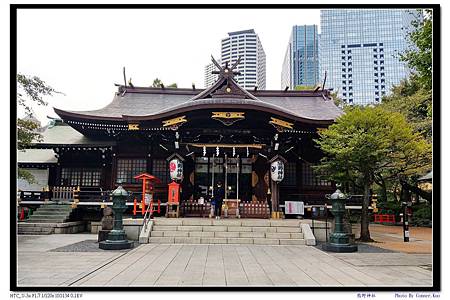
[
  {"x": 391, "y": 237},
  {"x": 212, "y": 265}
]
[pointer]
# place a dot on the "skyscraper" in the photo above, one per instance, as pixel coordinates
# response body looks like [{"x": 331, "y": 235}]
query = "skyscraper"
[
  {"x": 301, "y": 61},
  {"x": 246, "y": 43},
  {"x": 359, "y": 50},
  {"x": 210, "y": 78}
]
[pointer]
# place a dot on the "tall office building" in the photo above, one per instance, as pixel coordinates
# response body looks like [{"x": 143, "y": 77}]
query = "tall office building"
[
  {"x": 359, "y": 49},
  {"x": 211, "y": 78},
  {"x": 246, "y": 43},
  {"x": 301, "y": 61}
]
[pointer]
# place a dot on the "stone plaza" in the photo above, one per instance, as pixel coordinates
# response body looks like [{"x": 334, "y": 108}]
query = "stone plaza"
[{"x": 74, "y": 260}]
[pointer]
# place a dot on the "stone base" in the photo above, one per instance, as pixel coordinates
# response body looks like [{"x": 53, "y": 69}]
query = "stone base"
[
  {"x": 115, "y": 245},
  {"x": 340, "y": 247},
  {"x": 103, "y": 235}
]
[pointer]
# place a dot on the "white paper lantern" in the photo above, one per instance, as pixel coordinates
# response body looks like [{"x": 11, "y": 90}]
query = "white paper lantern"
[
  {"x": 176, "y": 169},
  {"x": 277, "y": 170}
]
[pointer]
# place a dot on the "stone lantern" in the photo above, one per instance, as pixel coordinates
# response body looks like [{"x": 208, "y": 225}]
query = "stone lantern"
[
  {"x": 339, "y": 239},
  {"x": 117, "y": 239}
]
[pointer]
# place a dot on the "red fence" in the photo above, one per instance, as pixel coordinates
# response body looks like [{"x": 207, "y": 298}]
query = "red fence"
[{"x": 384, "y": 218}]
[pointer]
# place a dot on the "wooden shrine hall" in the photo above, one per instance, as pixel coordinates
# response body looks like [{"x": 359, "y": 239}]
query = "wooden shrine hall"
[{"x": 223, "y": 133}]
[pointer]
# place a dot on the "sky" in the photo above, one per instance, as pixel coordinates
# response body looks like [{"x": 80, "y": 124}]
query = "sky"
[{"x": 82, "y": 52}]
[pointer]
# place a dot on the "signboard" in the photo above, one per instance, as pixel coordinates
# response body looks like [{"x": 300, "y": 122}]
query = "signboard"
[
  {"x": 294, "y": 208},
  {"x": 148, "y": 198}
]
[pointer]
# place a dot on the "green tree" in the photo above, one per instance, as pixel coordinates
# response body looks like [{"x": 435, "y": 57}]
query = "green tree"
[
  {"x": 30, "y": 89},
  {"x": 304, "y": 88},
  {"x": 419, "y": 55},
  {"x": 157, "y": 83},
  {"x": 366, "y": 142}
]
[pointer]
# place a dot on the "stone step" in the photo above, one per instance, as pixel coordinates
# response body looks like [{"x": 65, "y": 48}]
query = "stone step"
[
  {"x": 228, "y": 234},
  {"x": 35, "y": 230},
  {"x": 222, "y": 228},
  {"x": 50, "y": 216},
  {"x": 226, "y": 222},
  {"x": 55, "y": 206},
  {"x": 45, "y": 220},
  {"x": 224, "y": 240},
  {"x": 63, "y": 210}
]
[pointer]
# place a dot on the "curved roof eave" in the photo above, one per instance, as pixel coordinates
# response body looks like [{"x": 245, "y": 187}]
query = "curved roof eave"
[{"x": 256, "y": 105}]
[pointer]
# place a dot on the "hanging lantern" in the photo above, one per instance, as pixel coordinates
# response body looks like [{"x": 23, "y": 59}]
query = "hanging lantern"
[
  {"x": 176, "y": 169},
  {"x": 277, "y": 170}
]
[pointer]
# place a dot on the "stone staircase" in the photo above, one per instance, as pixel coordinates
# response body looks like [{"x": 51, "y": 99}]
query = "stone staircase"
[
  {"x": 227, "y": 231},
  {"x": 47, "y": 219},
  {"x": 51, "y": 213}
]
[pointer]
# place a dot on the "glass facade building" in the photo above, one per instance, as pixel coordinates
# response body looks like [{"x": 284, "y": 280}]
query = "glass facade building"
[
  {"x": 301, "y": 61},
  {"x": 359, "y": 49},
  {"x": 246, "y": 43}
]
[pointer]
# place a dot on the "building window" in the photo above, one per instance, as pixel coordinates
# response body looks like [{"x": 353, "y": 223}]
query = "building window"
[
  {"x": 308, "y": 176},
  {"x": 290, "y": 174},
  {"x": 128, "y": 168},
  {"x": 161, "y": 170},
  {"x": 350, "y": 63},
  {"x": 80, "y": 176}
]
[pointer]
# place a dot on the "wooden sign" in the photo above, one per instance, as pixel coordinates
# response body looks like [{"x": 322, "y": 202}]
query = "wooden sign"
[
  {"x": 133, "y": 126},
  {"x": 228, "y": 118},
  {"x": 175, "y": 121},
  {"x": 280, "y": 125}
]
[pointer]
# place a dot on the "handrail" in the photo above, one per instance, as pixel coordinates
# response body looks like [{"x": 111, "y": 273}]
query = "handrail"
[{"x": 147, "y": 217}]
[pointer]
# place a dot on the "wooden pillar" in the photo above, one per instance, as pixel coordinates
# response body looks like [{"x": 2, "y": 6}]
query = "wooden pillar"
[{"x": 275, "y": 191}]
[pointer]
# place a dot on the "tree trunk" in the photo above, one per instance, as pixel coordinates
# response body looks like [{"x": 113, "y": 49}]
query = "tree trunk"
[
  {"x": 383, "y": 192},
  {"x": 365, "y": 234}
]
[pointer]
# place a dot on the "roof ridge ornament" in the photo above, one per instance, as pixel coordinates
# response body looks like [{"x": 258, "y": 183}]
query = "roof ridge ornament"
[{"x": 225, "y": 86}]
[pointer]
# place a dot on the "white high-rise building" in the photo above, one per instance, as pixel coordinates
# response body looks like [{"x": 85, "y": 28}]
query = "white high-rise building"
[
  {"x": 246, "y": 43},
  {"x": 211, "y": 78}
]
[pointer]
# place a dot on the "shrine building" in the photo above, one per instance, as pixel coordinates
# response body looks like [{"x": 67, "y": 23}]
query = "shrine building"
[{"x": 223, "y": 133}]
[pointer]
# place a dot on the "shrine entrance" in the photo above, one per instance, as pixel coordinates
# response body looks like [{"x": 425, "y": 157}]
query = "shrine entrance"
[{"x": 235, "y": 174}]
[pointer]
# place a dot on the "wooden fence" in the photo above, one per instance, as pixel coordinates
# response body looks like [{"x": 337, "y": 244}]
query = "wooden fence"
[
  {"x": 193, "y": 209},
  {"x": 254, "y": 210}
]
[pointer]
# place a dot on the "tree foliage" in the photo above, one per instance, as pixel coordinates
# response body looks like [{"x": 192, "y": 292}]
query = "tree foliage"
[
  {"x": 30, "y": 89},
  {"x": 157, "y": 83},
  {"x": 413, "y": 96},
  {"x": 366, "y": 142},
  {"x": 419, "y": 55}
]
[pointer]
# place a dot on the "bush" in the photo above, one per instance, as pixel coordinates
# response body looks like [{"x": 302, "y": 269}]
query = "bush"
[{"x": 421, "y": 215}]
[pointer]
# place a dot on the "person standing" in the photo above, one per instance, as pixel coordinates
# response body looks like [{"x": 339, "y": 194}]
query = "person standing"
[{"x": 219, "y": 195}]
